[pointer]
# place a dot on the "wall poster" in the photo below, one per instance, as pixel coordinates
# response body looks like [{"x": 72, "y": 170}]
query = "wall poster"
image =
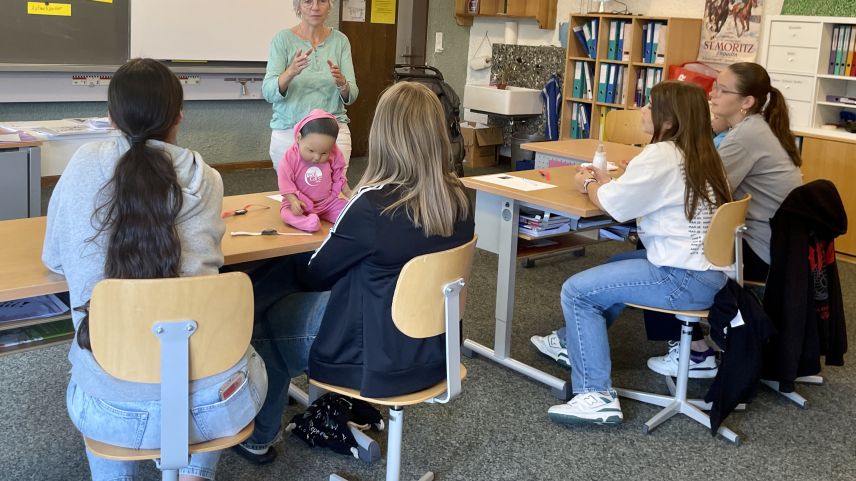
[{"x": 730, "y": 31}]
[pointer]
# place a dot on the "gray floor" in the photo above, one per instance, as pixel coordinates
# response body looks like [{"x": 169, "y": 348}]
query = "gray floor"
[{"x": 498, "y": 428}]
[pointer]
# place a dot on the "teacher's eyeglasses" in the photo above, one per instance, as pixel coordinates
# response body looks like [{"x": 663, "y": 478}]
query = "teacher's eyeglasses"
[
  {"x": 719, "y": 90},
  {"x": 310, "y": 3}
]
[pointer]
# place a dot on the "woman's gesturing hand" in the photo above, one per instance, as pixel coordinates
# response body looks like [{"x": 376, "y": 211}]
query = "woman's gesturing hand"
[
  {"x": 298, "y": 63},
  {"x": 340, "y": 79}
]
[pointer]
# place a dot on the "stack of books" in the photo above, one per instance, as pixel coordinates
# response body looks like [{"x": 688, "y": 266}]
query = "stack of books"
[{"x": 539, "y": 223}]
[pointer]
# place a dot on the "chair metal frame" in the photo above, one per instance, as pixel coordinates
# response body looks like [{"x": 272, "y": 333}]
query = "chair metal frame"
[
  {"x": 677, "y": 402},
  {"x": 453, "y": 296}
]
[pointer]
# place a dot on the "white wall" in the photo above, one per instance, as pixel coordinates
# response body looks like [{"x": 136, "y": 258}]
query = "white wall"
[{"x": 530, "y": 34}]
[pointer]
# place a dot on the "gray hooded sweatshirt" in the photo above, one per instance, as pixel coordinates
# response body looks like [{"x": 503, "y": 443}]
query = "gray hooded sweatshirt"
[{"x": 74, "y": 247}]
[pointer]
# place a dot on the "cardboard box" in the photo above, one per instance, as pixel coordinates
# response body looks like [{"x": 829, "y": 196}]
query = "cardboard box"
[{"x": 480, "y": 144}]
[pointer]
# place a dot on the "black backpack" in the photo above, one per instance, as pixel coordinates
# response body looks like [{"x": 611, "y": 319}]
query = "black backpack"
[{"x": 433, "y": 79}]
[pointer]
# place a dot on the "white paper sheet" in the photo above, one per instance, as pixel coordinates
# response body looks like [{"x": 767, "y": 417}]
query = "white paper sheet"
[
  {"x": 276, "y": 197},
  {"x": 353, "y": 10},
  {"x": 513, "y": 182}
]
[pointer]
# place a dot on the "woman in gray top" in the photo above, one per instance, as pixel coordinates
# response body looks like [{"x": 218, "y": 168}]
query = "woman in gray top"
[
  {"x": 142, "y": 207},
  {"x": 759, "y": 154}
]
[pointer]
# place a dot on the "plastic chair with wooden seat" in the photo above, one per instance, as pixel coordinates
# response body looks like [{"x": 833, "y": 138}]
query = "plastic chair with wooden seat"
[
  {"x": 723, "y": 247},
  {"x": 170, "y": 331},
  {"x": 428, "y": 301},
  {"x": 625, "y": 127}
]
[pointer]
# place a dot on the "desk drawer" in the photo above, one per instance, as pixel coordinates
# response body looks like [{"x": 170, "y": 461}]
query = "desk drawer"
[
  {"x": 799, "y": 113},
  {"x": 792, "y": 59},
  {"x": 794, "y": 34},
  {"x": 794, "y": 87}
]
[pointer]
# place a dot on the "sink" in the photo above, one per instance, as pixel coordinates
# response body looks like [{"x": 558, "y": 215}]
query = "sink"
[{"x": 511, "y": 101}]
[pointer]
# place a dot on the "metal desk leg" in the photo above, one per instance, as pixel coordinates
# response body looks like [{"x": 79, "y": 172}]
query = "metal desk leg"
[{"x": 505, "y": 282}]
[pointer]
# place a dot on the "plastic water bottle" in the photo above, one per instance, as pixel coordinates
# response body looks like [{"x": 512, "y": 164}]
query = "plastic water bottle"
[{"x": 599, "y": 161}]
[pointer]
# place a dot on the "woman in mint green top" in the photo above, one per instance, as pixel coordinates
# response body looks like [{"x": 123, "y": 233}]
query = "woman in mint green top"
[{"x": 309, "y": 67}]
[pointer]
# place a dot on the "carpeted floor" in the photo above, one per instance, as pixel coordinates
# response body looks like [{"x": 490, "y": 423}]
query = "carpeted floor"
[{"x": 498, "y": 429}]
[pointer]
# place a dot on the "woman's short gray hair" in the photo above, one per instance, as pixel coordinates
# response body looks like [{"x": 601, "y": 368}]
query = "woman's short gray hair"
[{"x": 296, "y": 4}]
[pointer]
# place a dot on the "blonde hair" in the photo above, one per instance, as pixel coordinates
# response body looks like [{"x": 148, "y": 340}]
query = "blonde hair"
[{"x": 409, "y": 147}]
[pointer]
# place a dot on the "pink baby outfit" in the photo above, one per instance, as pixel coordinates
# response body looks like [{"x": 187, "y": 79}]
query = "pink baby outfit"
[{"x": 317, "y": 185}]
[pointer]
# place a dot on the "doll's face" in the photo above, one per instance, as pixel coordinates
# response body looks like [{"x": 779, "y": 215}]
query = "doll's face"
[{"x": 315, "y": 148}]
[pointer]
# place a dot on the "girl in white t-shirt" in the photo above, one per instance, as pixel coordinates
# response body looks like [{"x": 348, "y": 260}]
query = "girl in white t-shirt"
[{"x": 672, "y": 188}]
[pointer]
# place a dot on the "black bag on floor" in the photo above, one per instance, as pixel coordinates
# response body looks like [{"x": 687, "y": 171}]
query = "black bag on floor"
[
  {"x": 325, "y": 423},
  {"x": 433, "y": 79}
]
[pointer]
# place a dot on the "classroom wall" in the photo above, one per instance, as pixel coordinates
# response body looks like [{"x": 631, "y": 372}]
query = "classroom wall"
[
  {"x": 222, "y": 131},
  {"x": 453, "y": 60}
]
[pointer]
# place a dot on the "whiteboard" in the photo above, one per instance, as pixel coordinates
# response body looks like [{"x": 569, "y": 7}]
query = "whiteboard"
[{"x": 224, "y": 30}]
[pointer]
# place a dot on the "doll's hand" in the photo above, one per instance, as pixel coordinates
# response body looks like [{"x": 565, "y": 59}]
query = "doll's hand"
[{"x": 297, "y": 207}]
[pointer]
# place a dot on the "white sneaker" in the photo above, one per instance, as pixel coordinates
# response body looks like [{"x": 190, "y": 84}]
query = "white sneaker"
[
  {"x": 588, "y": 408},
  {"x": 702, "y": 366},
  {"x": 551, "y": 347}
]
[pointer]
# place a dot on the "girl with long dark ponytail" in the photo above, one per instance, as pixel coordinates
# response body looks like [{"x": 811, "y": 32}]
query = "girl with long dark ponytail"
[
  {"x": 138, "y": 206},
  {"x": 143, "y": 198}
]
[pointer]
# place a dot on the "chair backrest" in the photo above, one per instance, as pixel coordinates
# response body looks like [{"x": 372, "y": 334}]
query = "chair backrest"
[
  {"x": 418, "y": 303},
  {"x": 123, "y": 311},
  {"x": 625, "y": 127},
  {"x": 720, "y": 246}
]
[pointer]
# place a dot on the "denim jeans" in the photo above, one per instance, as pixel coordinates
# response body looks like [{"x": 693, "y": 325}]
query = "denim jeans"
[
  {"x": 137, "y": 425},
  {"x": 287, "y": 321},
  {"x": 593, "y": 299},
  {"x": 562, "y": 333}
]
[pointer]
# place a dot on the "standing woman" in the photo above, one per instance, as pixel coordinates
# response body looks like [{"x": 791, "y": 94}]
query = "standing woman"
[
  {"x": 141, "y": 207},
  {"x": 309, "y": 67}
]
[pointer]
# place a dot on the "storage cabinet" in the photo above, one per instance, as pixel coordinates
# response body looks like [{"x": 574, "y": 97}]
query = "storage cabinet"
[
  {"x": 20, "y": 180},
  {"x": 544, "y": 11},
  {"x": 681, "y": 36},
  {"x": 797, "y": 55}
]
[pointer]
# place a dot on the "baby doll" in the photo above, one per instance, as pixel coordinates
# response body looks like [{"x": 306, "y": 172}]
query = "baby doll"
[{"x": 312, "y": 173}]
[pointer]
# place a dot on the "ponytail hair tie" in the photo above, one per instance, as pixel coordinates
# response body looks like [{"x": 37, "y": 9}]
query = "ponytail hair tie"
[
  {"x": 137, "y": 139},
  {"x": 767, "y": 101}
]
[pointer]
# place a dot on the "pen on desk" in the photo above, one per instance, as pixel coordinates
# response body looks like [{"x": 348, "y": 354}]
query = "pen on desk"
[{"x": 544, "y": 174}]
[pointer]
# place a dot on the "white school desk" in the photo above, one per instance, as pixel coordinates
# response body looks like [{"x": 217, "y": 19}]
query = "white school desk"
[{"x": 497, "y": 216}]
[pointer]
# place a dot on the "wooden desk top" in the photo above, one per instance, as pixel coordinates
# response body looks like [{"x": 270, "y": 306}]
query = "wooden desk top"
[
  {"x": 564, "y": 198},
  {"x": 22, "y": 273},
  {"x": 244, "y": 249},
  {"x": 17, "y": 145},
  {"x": 834, "y": 135},
  {"x": 584, "y": 149}
]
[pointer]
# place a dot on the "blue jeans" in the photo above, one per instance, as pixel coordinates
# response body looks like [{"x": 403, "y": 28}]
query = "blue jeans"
[
  {"x": 287, "y": 321},
  {"x": 593, "y": 299},
  {"x": 137, "y": 424}
]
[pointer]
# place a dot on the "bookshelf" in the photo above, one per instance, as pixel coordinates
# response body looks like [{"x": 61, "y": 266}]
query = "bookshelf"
[
  {"x": 544, "y": 11},
  {"x": 681, "y": 37}
]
